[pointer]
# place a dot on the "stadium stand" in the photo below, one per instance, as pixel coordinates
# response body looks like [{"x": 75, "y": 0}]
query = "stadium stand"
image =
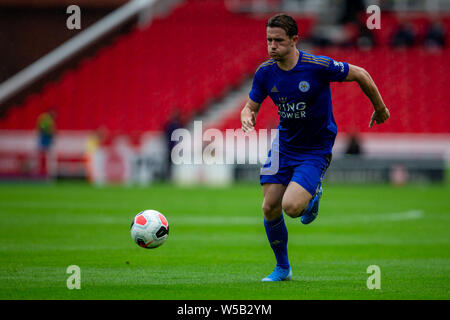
[
  {"x": 412, "y": 81},
  {"x": 136, "y": 83},
  {"x": 195, "y": 55},
  {"x": 413, "y": 84}
]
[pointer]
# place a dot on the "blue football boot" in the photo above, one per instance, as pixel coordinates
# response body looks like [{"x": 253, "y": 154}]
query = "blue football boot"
[{"x": 279, "y": 274}]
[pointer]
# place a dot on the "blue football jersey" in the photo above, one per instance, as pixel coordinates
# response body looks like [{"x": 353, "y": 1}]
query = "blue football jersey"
[{"x": 303, "y": 97}]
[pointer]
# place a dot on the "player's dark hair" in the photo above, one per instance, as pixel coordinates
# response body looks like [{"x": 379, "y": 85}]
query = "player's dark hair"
[{"x": 285, "y": 22}]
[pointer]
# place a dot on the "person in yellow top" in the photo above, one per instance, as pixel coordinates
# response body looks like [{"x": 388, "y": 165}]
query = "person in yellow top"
[
  {"x": 46, "y": 129},
  {"x": 93, "y": 142}
]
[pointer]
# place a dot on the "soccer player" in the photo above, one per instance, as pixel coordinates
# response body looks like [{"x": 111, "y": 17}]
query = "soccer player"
[{"x": 299, "y": 85}]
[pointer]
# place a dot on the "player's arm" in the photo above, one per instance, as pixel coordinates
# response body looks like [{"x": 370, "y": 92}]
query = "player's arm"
[
  {"x": 368, "y": 86},
  {"x": 248, "y": 115}
]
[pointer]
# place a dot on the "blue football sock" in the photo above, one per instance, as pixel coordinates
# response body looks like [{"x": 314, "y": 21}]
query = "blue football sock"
[{"x": 277, "y": 235}]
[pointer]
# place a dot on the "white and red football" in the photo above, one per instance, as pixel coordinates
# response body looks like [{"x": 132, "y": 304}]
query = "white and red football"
[{"x": 149, "y": 229}]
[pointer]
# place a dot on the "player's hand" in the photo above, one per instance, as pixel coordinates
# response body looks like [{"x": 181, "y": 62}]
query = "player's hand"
[
  {"x": 248, "y": 120},
  {"x": 379, "y": 116}
]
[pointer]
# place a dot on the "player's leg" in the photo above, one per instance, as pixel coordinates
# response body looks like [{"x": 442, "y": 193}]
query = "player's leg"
[
  {"x": 274, "y": 178},
  {"x": 304, "y": 192},
  {"x": 276, "y": 230},
  {"x": 272, "y": 193},
  {"x": 295, "y": 199}
]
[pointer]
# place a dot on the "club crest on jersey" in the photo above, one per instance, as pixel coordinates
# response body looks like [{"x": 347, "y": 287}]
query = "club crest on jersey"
[{"x": 303, "y": 86}]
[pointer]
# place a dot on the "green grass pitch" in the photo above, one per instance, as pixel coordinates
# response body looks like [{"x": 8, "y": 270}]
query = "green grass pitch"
[{"x": 217, "y": 247}]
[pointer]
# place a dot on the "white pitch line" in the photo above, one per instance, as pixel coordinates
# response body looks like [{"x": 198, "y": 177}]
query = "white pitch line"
[
  {"x": 61, "y": 205},
  {"x": 408, "y": 215},
  {"x": 372, "y": 217},
  {"x": 335, "y": 219},
  {"x": 183, "y": 219}
]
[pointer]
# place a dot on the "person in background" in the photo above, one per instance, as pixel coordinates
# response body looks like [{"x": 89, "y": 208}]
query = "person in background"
[
  {"x": 435, "y": 35},
  {"x": 173, "y": 124},
  {"x": 354, "y": 145},
  {"x": 357, "y": 35},
  {"x": 46, "y": 130},
  {"x": 404, "y": 36},
  {"x": 93, "y": 142}
]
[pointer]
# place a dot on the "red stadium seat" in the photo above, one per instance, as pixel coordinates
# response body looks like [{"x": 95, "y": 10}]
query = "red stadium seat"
[
  {"x": 412, "y": 83},
  {"x": 201, "y": 50}
]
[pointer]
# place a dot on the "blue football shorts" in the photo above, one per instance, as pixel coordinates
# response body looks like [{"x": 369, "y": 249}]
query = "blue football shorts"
[{"x": 308, "y": 172}]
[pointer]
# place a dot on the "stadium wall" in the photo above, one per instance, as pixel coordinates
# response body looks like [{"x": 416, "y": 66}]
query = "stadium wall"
[{"x": 122, "y": 160}]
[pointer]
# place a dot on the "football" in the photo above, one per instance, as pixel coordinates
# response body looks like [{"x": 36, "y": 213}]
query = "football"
[{"x": 149, "y": 229}]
